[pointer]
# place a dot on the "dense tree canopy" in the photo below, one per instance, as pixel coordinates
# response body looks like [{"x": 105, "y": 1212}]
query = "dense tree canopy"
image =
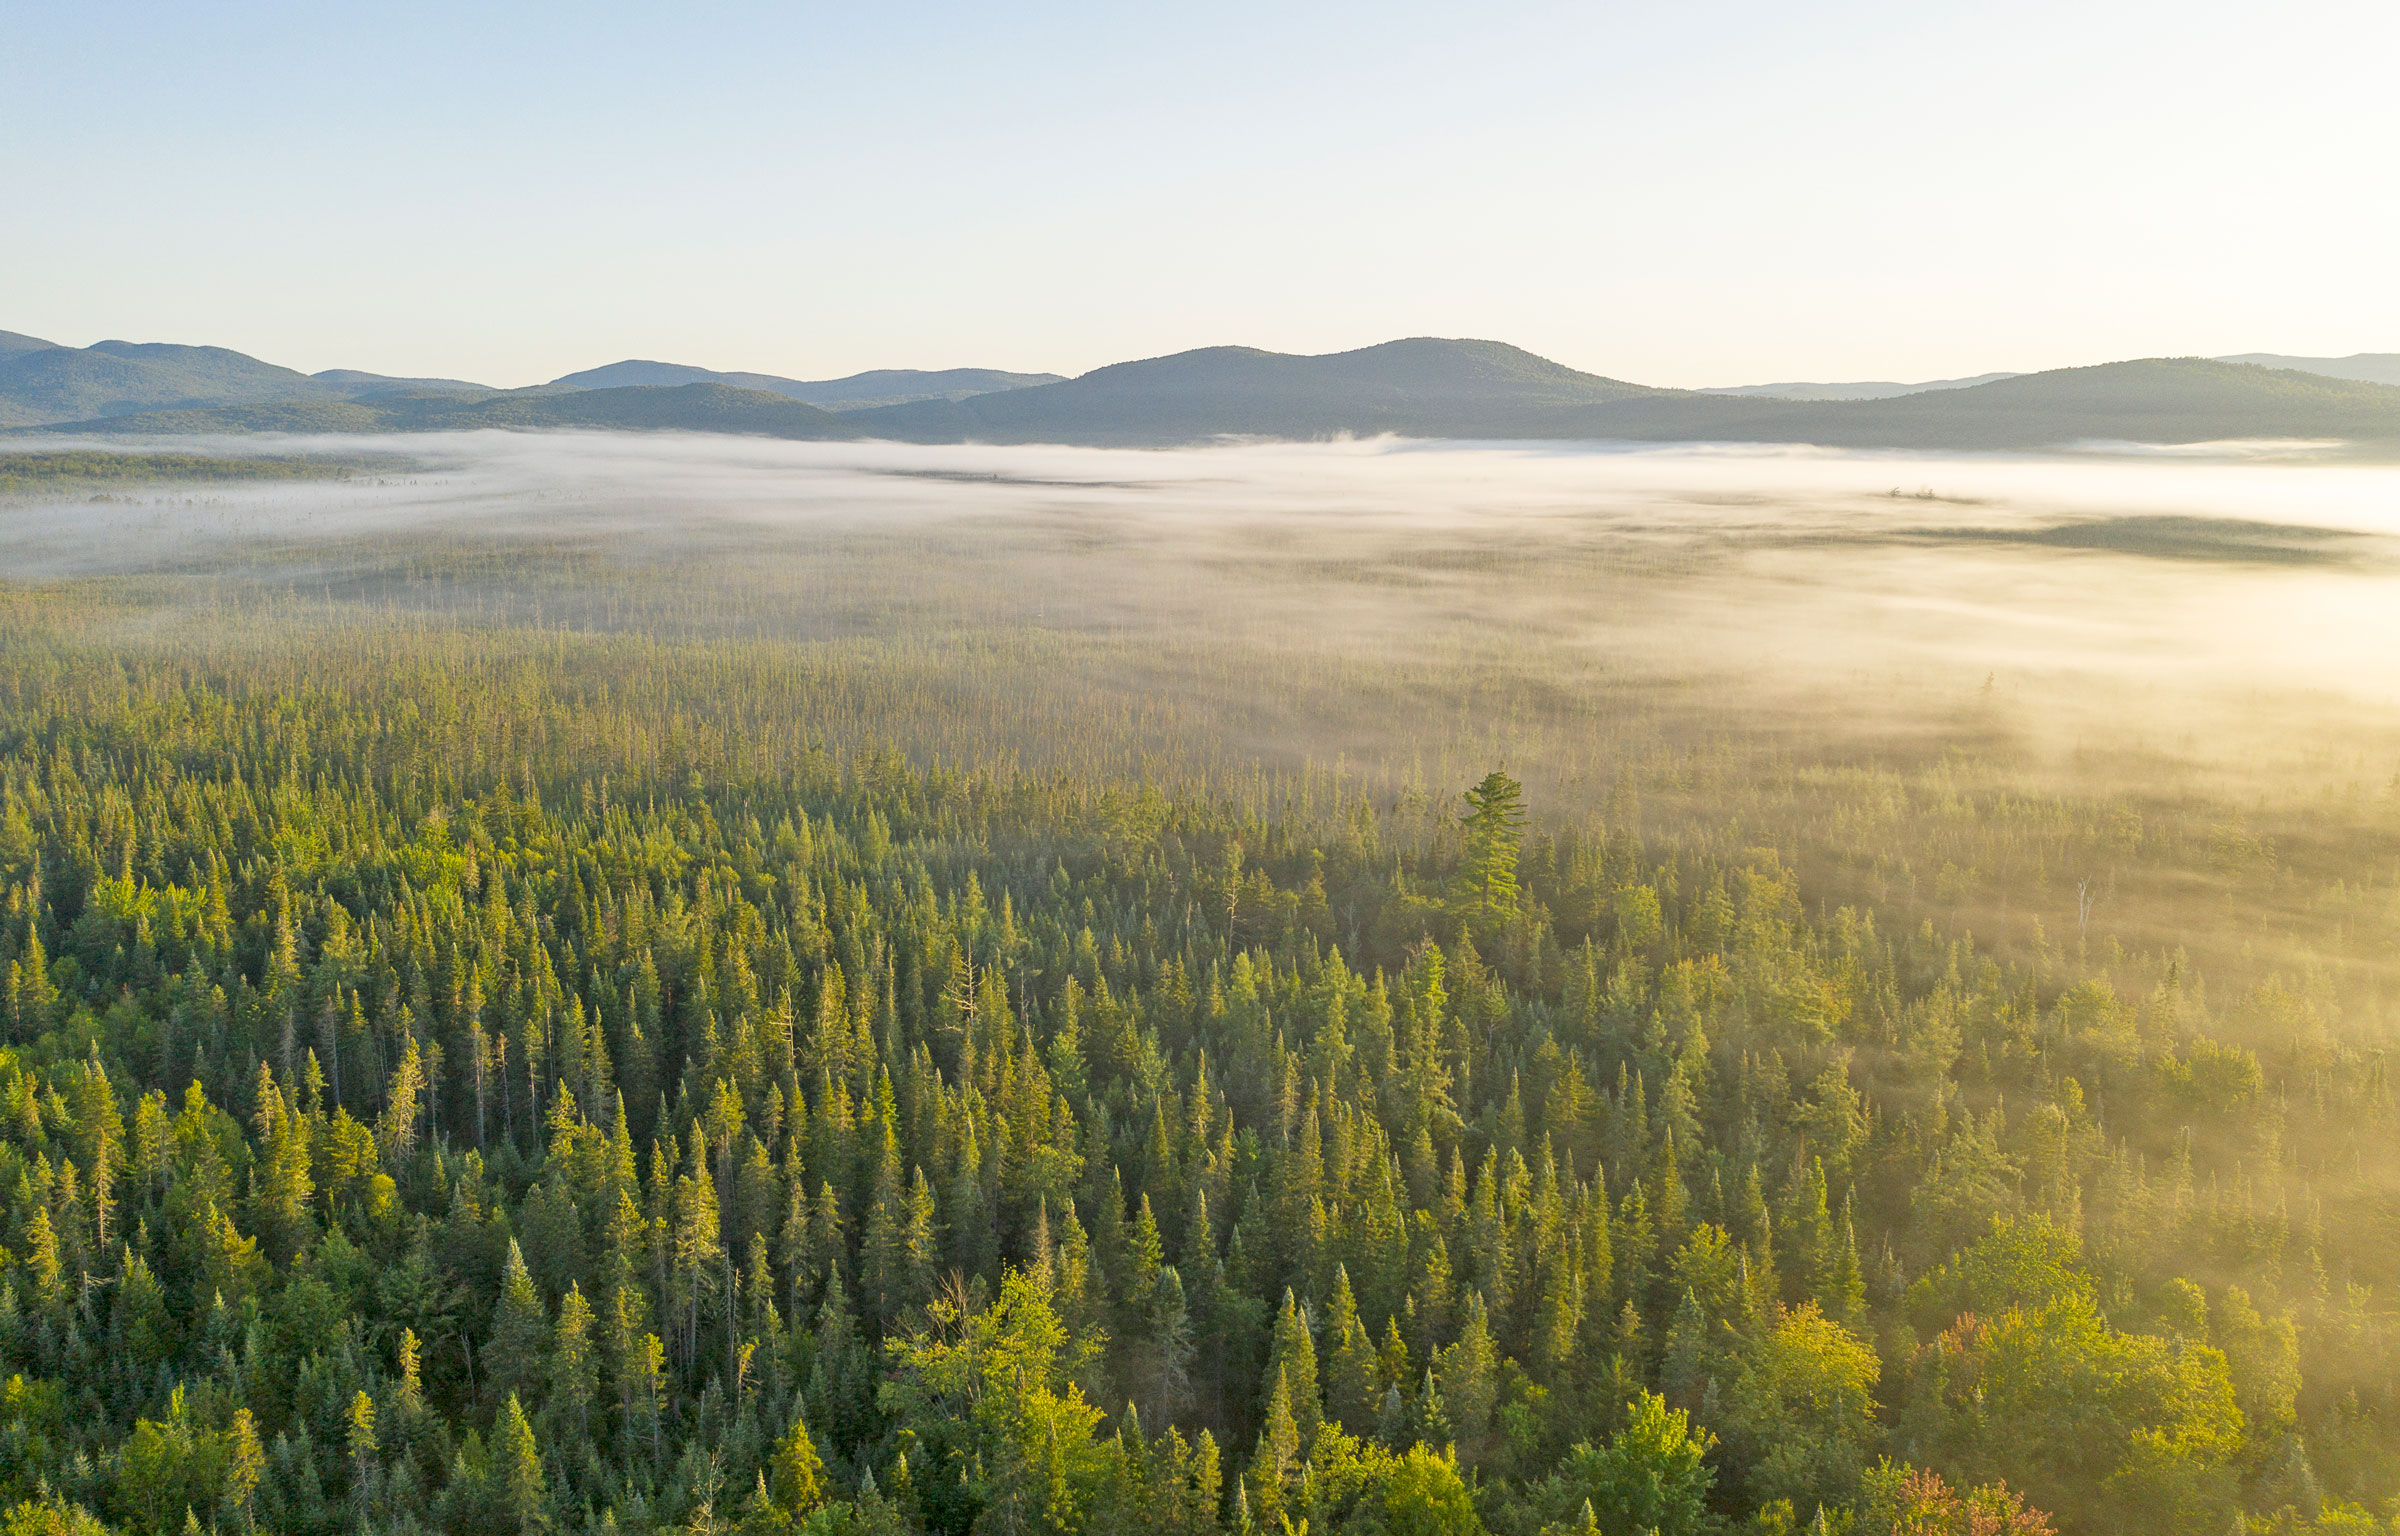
[{"x": 399, "y": 1135}]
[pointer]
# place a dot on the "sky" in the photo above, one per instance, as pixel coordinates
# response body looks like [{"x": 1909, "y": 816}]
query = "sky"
[{"x": 1705, "y": 193}]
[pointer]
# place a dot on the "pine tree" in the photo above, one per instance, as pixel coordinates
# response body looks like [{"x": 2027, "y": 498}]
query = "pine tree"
[
  {"x": 1843, "y": 1293},
  {"x": 924, "y": 1246},
  {"x": 1281, "y": 1451},
  {"x": 574, "y": 1368},
  {"x": 1292, "y": 1365},
  {"x": 1430, "y": 1424},
  {"x": 1469, "y": 1377},
  {"x": 1353, "y": 1391},
  {"x": 696, "y": 1253},
  {"x": 886, "y": 1270},
  {"x": 1495, "y": 826},
  {"x": 1684, "y": 1368},
  {"x": 517, "y": 1468},
  {"x": 647, "y": 1395},
  {"x": 520, "y": 1343},
  {"x": 362, "y": 1448},
  {"x": 245, "y": 1464},
  {"x": 396, "y": 1130},
  {"x": 410, "y": 1392},
  {"x": 799, "y": 1481},
  {"x": 41, "y": 1260}
]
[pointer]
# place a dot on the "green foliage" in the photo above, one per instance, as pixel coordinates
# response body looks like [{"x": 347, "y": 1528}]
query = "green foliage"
[
  {"x": 1651, "y": 1475},
  {"x": 1495, "y": 827},
  {"x": 496, "y": 1098},
  {"x": 49, "y": 1517},
  {"x": 1803, "y": 1412},
  {"x": 2130, "y": 1425},
  {"x": 1424, "y": 1496}
]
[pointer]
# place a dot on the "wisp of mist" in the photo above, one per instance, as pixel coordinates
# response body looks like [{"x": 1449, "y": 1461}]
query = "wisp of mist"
[
  {"x": 2212, "y": 605},
  {"x": 1912, "y": 674}
]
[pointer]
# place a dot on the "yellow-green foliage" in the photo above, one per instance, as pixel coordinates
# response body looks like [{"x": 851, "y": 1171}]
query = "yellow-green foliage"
[{"x": 490, "y": 1076}]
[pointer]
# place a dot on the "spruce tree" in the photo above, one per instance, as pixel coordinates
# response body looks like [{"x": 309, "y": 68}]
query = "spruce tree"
[
  {"x": 1292, "y": 1365},
  {"x": 520, "y": 1343},
  {"x": 1353, "y": 1392},
  {"x": 574, "y": 1368}
]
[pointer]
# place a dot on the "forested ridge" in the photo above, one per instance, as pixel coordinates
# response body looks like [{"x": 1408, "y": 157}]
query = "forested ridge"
[{"x": 428, "y": 1104}]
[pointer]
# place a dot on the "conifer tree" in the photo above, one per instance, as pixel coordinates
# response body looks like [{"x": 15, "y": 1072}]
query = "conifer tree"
[
  {"x": 245, "y": 1464},
  {"x": 574, "y": 1368},
  {"x": 799, "y": 1481},
  {"x": 1353, "y": 1390},
  {"x": 1292, "y": 1364},
  {"x": 517, "y": 1468},
  {"x": 1468, "y": 1377},
  {"x": 362, "y": 1448},
  {"x": 520, "y": 1340},
  {"x": 1495, "y": 826}
]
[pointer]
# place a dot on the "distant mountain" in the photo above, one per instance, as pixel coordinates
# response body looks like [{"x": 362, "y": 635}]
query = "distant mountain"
[
  {"x": 1865, "y": 389},
  {"x": 1424, "y": 386},
  {"x": 678, "y": 408},
  {"x": 1482, "y": 389},
  {"x": 859, "y": 391},
  {"x": 48, "y": 383},
  {"x": 355, "y": 384},
  {"x": 41, "y": 381},
  {"x": 2154, "y": 400},
  {"x": 2366, "y": 367}
]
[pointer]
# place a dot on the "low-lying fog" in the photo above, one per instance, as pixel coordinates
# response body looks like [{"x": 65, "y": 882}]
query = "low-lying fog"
[
  {"x": 1767, "y": 566},
  {"x": 1818, "y": 650}
]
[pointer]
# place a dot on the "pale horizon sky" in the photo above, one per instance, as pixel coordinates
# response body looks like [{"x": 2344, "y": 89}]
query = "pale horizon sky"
[{"x": 1703, "y": 194}]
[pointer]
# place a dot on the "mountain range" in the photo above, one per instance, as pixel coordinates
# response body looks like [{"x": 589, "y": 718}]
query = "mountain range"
[
  {"x": 1856, "y": 389},
  {"x": 2364, "y": 367},
  {"x": 878, "y": 386},
  {"x": 1421, "y": 387},
  {"x": 43, "y": 383}
]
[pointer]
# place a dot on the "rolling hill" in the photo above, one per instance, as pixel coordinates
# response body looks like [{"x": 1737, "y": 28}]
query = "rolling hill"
[
  {"x": 2152, "y": 400},
  {"x": 1487, "y": 390},
  {"x": 1856, "y": 389},
  {"x": 44, "y": 383},
  {"x": 1423, "y": 387},
  {"x": 52, "y": 383},
  {"x": 352, "y": 383},
  {"x": 858, "y": 391},
  {"x": 1419, "y": 387},
  {"x": 2366, "y": 367},
  {"x": 41, "y": 381}
]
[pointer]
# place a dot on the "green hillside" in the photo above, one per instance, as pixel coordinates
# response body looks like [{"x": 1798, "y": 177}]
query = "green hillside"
[
  {"x": 1423, "y": 386},
  {"x": 1487, "y": 390},
  {"x": 2366, "y": 367},
  {"x": 2154, "y": 400},
  {"x": 41, "y": 382},
  {"x": 117, "y": 378},
  {"x": 858, "y": 391}
]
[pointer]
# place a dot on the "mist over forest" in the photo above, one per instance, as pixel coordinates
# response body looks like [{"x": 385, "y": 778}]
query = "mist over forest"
[{"x": 660, "y": 983}]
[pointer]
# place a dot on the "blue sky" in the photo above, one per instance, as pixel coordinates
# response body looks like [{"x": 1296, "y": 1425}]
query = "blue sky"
[{"x": 1703, "y": 193}]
